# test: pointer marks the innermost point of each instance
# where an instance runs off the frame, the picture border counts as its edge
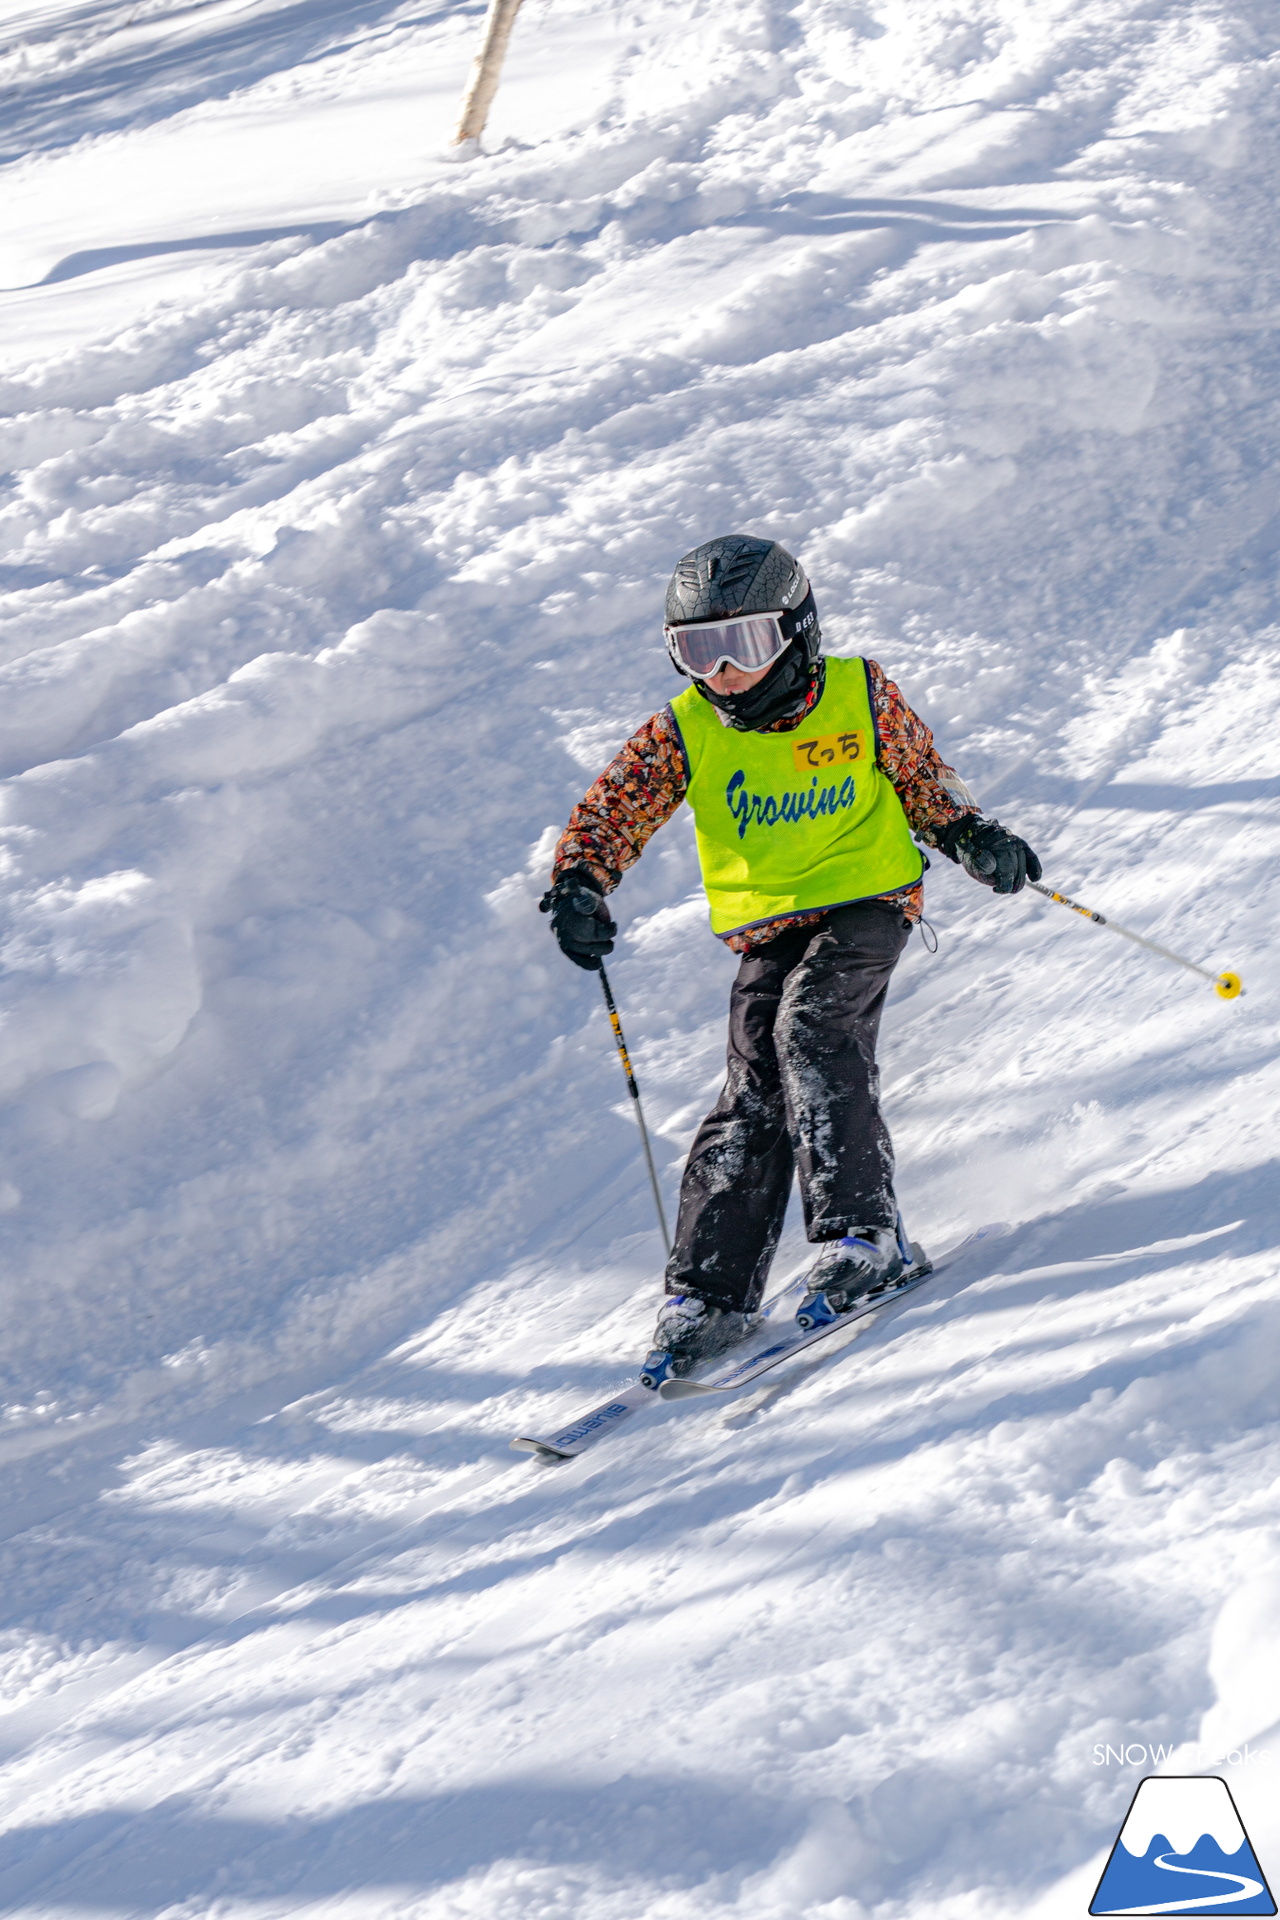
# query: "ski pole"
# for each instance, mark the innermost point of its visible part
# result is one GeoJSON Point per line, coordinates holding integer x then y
{"type": "Point", "coordinates": [1226, 985]}
{"type": "Point", "coordinates": [625, 1058]}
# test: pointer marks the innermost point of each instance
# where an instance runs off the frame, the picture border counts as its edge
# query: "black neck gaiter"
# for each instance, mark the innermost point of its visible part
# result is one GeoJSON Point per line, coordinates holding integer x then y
{"type": "Point", "coordinates": [781, 695]}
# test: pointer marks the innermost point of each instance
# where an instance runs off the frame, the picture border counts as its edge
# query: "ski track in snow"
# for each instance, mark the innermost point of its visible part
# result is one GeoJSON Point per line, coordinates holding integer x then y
{"type": "Point", "coordinates": [340, 487]}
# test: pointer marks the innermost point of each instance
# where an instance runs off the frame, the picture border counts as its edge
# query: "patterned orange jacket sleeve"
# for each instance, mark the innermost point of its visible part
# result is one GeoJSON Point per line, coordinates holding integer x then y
{"type": "Point", "coordinates": [646, 780]}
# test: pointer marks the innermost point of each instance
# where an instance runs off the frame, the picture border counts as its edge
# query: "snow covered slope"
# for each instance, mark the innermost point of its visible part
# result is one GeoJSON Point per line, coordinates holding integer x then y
{"type": "Point", "coordinates": [342, 483]}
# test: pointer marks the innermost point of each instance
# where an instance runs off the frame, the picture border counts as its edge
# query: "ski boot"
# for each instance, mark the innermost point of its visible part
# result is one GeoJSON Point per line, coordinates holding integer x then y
{"type": "Point", "coordinates": [689, 1330]}
{"type": "Point", "coordinates": [859, 1267]}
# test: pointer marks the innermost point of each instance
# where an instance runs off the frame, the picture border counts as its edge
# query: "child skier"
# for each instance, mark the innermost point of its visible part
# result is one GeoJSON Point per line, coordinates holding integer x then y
{"type": "Point", "coordinates": [808, 777]}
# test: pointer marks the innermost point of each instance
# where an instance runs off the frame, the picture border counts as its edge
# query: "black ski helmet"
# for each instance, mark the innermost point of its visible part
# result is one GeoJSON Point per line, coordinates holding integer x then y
{"type": "Point", "coordinates": [737, 573]}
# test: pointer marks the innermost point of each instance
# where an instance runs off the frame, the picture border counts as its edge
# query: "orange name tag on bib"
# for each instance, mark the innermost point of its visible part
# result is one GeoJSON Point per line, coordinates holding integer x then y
{"type": "Point", "coordinates": [828, 750]}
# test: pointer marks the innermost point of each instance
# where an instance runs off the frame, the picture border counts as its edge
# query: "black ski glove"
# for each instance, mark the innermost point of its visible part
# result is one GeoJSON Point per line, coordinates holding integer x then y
{"type": "Point", "coordinates": [989, 852]}
{"type": "Point", "coordinates": [579, 918]}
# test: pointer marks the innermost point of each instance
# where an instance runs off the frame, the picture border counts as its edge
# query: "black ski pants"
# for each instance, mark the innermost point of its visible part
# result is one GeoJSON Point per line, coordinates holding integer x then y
{"type": "Point", "coordinates": [802, 1096]}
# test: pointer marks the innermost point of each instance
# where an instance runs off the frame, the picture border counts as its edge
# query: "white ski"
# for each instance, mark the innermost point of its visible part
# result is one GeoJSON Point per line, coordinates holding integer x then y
{"type": "Point", "coordinates": [593, 1426]}
{"type": "Point", "coordinates": [598, 1422]}
{"type": "Point", "coordinates": [588, 1428]}
{"type": "Point", "coordinates": [728, 1379]}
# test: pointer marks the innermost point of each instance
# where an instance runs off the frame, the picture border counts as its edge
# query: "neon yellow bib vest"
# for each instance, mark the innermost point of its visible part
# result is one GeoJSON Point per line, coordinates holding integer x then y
{"type": "Point", "coordinates": [791, 822]}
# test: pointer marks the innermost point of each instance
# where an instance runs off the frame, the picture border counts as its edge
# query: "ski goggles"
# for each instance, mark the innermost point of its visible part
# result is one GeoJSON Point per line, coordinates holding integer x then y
{"type": "Point", "coordinates": [749, 641]}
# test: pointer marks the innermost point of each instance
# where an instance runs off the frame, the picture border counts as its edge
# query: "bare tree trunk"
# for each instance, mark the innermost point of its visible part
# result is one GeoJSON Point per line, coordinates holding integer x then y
{"type": "Point", "coordinates": [486, 70]}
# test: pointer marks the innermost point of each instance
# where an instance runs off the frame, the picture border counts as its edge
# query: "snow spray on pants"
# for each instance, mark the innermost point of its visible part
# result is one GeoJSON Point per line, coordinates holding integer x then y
{"type": "Point", "coordinates": [801, 1097]}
